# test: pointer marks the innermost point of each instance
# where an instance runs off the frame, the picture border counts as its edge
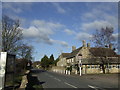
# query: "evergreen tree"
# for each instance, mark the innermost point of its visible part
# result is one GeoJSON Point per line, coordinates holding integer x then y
{"type": "Point", "coordinates": [51, 59]}
{"type": "Point", "coordinates": [55, 61]}
{"type": "Point", "coordinates": [45, 62]}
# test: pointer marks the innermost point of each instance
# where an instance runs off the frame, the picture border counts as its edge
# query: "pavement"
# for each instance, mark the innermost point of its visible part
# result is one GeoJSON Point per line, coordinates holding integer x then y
{"type": "Point", "coordinates": [50, 79]}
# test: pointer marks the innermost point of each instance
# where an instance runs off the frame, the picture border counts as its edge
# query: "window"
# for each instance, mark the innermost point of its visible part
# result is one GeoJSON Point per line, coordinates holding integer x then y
{"type": "Point", "coordinates": [92, 66]}
{"type": "Point", "coordinates": [72, 60]}
{"type": "Point", "coordinates": [68, 61]}
{"type": "Point", "coordinates": [96, 66]}
{"type": "Point", "coordinates": [88, 66]}
{"type": "Point", "coordinates": [118, 66]}
{"type": "Point", "coordinates": [110, 66]}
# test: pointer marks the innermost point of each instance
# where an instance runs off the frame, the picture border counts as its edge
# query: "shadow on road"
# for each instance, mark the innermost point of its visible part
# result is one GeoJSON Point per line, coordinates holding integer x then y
{"type": "Point", "coordinates": [33, 82]}
{"type": "Point", "coordinates": [35, 71]}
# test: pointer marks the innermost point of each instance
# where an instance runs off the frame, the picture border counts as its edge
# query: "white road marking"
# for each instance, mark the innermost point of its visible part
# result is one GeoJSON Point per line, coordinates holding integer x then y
{"type": "Point", "coordinates": [57, 79]}
{"type": "Point", "coordinates": [70, 85]}
{"type": "Point", "coordinates": [50, 76]}
{"type": "Point", "coordinates": [94, 87]}
{"type": "Point", "coordinates": [46, 74]}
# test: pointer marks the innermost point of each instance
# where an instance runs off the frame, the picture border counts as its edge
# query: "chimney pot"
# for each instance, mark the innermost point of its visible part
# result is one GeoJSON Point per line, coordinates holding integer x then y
{"type": "Point", "coordinates": [84, 43]}
{"type": "Point", "coordinates": [73, 48]}
{"type": "Point", "coordinates": [110, 46]}
{"type": "Point", "coordinates": [88, 45]}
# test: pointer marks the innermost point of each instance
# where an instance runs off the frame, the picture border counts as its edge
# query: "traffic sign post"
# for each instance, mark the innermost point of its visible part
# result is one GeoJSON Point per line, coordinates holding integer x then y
{"type": "Point", "coordinates": [7, 70]}
{"type": "Point", "coordinates": [80, 63]}
{"type": "Point", "coordinates": [3, 57]}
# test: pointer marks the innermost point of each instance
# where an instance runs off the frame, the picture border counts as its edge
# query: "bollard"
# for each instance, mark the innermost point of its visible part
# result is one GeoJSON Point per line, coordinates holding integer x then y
{"type": "Point", "coordinates": [68, 72]}
{"type": "Point", "coordinates": [76, 72]}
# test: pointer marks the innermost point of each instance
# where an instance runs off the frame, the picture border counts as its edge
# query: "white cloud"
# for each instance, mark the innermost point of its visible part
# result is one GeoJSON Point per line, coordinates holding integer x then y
{"type": "Point", "coordinates": [95, 25]}
{"type": "Point", "coordinates": [10, 7]}
{"type": "Point", "coordinates": [101, 16]}
{"type": "Point", "coordinates": [62, 43]}
{"type": "Point", "coordinates": [79, 35]}
{"type": "Point", "coordinates": [40, 32]}
{"type": "Point", "coordinates": [83, 36]}
{"type": "Point", "coordinates": [16, 7]}
{"type": "Point", "coordinates": [115, 35]}
{"type": "Point", "coordinates": [59, 8]}
{"type": "Point", "coordinates": [69, 32]}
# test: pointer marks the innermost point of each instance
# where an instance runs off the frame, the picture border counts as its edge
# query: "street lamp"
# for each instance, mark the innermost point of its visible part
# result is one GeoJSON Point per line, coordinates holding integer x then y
{"type": "Point", "coordinates": [80, 63]}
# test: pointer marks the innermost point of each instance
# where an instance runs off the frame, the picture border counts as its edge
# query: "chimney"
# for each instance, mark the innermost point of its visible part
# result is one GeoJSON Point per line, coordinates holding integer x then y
{"type": "Point", "coordinates": [110, 46]}
{"type": "Point", "coordinates": [88, 45]}
{"type": "Point", "coordinates": [84, 43]}
{"type": "Point", "coordinates": [73, 48]}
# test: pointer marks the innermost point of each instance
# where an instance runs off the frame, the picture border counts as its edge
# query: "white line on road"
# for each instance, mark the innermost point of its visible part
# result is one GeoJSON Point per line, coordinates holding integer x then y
{"type": "Point", "coordinates": [51, 76]}
{"type": "Point", "coordinates": [94, 87]}
{"type": "Point", "coordinates": [70, 85]}
{"type": "Point", "coordinates": [57, 79]}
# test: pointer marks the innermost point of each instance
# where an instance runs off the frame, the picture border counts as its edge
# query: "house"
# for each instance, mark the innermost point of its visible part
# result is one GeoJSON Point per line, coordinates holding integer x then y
{"type": "Point", "coordinates": [93, 60]}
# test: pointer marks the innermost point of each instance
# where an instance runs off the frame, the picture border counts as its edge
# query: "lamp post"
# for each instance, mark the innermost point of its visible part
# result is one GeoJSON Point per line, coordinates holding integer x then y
{"type": "Point", "coordinates": [80, 63]}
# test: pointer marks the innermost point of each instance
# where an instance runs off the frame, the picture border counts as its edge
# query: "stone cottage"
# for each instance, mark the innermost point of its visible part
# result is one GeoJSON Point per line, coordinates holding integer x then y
{"type": "Point", "coordinates": [94, 60]}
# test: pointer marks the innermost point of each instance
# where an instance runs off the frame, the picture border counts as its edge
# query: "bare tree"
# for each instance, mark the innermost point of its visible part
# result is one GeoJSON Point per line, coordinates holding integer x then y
{"type": "Point", "coordinates": [11, 34]}
{"type": "Point", "coordinates": [104, 41]}
{"type": "Point", "coordinates": [103, 37]}
{"type": "Point", "coordinates": [25, 52]}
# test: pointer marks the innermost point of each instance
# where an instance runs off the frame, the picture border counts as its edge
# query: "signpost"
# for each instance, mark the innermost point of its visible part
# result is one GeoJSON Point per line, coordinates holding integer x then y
{"type": "Point", "coordinates": [80, 63]}
{"type": "Point", "coordinates": [7, 70]}
{"type": "Point", "coordinates": [3, 57]}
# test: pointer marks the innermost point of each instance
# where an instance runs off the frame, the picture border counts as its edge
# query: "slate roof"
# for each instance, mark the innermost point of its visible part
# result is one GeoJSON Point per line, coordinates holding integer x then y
{"type": "Point", "coordinates": [73, 53]}
{"type": "Point", "coordinates": [65, 54]}
{"type": "Point", "coordinates": [99, 61]}
{"type": "Point", "coordinates": [97, 52]}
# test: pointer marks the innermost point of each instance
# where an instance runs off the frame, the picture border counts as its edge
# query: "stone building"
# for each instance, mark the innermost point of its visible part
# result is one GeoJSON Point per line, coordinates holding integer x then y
{"type": "Point", "coordinates": [94, 60]}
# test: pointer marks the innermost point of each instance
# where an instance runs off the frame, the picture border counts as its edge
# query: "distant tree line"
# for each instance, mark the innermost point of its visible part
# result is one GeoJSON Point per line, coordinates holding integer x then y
{"type": "Point", "coordinates": [48, 62]}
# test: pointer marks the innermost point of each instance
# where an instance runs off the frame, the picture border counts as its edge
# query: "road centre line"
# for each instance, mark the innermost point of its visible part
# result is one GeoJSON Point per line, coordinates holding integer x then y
{"type": "Point", "coordinates": [70, 85]}
{"type": "Point", "coordinates": [94, 87]}
{"type": "Point", "coordinates": [50, 76]}
{"type": "Point", "coordinates": [57, 79]}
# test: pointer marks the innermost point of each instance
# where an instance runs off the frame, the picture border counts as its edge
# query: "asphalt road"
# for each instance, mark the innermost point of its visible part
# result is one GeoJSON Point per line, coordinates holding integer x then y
{"type": "Point", "coordinates": [54, 80]}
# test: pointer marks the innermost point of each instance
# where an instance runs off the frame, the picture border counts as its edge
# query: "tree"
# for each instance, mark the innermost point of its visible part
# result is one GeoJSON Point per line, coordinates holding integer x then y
{"type": "Point", "coordinates": [12, 40]}
{"type": "Point", "coordinates": [102, 39]}
{"type": "Point", "coordinates": [45, 62]}
{"type": "Point", "coordinates": [51, 59]}
{"type": "Point", "coordinates": [11, 34]}
{"type": "Point", "coordinates": [55, 61]}
{"type": "Point", "coordinates": [25, 52]}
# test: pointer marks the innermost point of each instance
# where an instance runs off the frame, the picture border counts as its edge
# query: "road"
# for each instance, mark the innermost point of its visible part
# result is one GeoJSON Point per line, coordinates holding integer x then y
{"type": "Point", "coordinates": [54, 80]}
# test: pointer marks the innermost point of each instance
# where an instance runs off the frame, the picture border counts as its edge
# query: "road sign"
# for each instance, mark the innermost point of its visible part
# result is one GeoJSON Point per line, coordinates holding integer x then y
{"type": "Point", "coordinates": [3, 57]}
{"type": "Point", "coordinates": [7, 69]}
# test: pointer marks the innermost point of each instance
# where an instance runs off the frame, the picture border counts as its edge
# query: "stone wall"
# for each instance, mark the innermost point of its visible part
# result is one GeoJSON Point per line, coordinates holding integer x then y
{"type": "Point", "coordinates": [62, 62]}
{"type": "Point", "coordinates": [94, 69]}
{"type": "Point", "coordinates": [58, 69]}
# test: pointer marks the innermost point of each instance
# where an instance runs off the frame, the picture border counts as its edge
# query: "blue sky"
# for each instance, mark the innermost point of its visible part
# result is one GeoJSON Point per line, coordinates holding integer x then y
{"type": "Point", "coordinates": [53, 27]}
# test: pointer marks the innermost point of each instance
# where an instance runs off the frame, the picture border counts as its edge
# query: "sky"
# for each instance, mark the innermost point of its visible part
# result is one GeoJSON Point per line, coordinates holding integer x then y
{"type": "Point", "coordinates": [54, 27]}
